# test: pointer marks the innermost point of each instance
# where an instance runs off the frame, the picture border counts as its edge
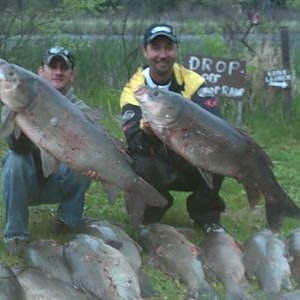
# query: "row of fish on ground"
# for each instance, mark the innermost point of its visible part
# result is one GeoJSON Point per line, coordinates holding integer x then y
{"type": "Point", "coordinates": [103, 262]}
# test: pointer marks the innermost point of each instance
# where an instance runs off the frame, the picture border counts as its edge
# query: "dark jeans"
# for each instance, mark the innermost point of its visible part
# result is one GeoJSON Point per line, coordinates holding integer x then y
{"type": "Point", "coordinates": [167, 172]}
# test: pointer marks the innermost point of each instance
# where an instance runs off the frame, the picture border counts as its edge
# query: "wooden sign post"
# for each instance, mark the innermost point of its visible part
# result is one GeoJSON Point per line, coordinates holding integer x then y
{"type": "Point", "coordinates": [285, 50]}
{"type": "Point", "coordinates": [225, 77]}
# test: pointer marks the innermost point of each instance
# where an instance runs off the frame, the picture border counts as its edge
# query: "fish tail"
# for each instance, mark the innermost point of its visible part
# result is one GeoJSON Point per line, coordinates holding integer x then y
{"type": "Point", "coordinates": [139, 195]}
{"type": "Point", "coordinates": [253, 196]}
{"type": "Point", "coordinates": [279, 207]}
{"type": "Point", "coordinates": [238, 293]}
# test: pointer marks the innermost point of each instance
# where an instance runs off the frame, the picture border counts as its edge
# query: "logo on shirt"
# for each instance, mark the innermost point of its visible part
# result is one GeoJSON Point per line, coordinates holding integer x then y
{"type": "Point", "coordinates": [211, 103]}
{"type": "Point", "coordinates": [127, 115]}
{"type": "Point", "coordinates": [204, 92]}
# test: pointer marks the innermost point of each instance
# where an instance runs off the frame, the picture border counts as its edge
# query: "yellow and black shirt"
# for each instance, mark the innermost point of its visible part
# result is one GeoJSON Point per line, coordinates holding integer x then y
{"type": "Point", "coordinates": [186, 82]}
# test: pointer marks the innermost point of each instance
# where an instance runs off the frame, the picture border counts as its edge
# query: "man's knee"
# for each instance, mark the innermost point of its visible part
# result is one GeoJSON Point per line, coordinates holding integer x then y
{"type": "Point", "coordinates": [205, 208]}
{"type": "Point", "coordinates": [18, 165]}
{"type": "Point", "coordinates": [155, 170]}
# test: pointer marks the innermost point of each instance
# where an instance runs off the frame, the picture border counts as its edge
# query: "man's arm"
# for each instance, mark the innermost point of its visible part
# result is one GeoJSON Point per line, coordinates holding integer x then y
{"type": "Point", "coordinates": [138, 139]}
{"type": "Point", "coordinates": [92, 115]}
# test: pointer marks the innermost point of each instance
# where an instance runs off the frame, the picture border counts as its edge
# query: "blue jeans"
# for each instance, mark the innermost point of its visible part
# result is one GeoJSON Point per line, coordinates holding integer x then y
{"type": "Point", "coordinates": [22, 187]}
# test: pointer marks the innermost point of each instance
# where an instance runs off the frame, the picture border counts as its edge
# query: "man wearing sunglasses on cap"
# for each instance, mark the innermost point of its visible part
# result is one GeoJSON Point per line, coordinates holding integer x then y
{"type": "Point", "coordinates": [154, 161]}
{"type": "Point", "coordinates": [22, 179]}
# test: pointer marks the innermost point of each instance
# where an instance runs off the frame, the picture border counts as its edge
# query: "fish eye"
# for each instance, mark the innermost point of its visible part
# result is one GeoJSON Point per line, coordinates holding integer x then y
{"type": "Point", "coordinates": [11, 72]}
{"type": "Point", "coordinates": [155, 93]}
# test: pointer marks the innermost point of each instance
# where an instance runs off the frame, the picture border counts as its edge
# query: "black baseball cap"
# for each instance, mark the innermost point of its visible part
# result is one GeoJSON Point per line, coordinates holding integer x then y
{"type": "Point", "coordinates": [61, 52]}
{"type": "Point", "coordinates": [159, 30]}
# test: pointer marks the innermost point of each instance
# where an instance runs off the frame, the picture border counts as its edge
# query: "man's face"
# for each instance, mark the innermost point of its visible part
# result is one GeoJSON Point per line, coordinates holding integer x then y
{"type": "Point", "coordinates": [161, 54]}
{"type": "Point", "coordinates": [58, 73]}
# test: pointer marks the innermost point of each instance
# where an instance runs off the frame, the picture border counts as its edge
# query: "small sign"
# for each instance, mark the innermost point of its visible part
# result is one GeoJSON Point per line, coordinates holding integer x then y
{"type": "Point", "coordinates": [225, 77]}
{"type": "Point", "coordinates": [280, 78]}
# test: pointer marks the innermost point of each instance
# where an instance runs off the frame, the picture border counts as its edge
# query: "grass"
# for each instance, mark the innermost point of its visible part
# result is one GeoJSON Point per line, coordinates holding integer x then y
{"type": "Point", "coordinates": [280, 141]}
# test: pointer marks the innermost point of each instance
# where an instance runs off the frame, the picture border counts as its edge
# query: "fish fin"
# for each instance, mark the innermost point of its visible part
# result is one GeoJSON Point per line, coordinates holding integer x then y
{"type": "Point", "coordinates": [139, 195]}
{"type": "Point", "coordinates": [255, 147]}
{"type": "Point", "coordinates": [8, 123]}
{"type": "Point", "coordinates": [253, 196]}
{"type": "Point", "coordinates": [111, 191]}
{"type": "Point", "coordinates": [94, 114]}
{"type": "Point", "coordinates": [49, 163]}
{"type": "Point", "coordinates": [207, 176]}
{"type": "Point", "coordinates": [17, 132]}
{"type": "Point", "coordinates": [276, 210]}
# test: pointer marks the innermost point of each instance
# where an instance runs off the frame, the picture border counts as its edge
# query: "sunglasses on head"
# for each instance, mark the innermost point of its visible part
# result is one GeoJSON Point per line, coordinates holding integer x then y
{"type": "Point", "coordinates": [63, 51]}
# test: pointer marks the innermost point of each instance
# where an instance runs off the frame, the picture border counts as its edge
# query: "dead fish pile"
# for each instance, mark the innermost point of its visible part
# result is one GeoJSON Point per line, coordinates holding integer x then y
{"type": "Point", "coordinates": [223, 259]}
{"type": "Point", "coordinates": [100, 270]}
{"type": "Point", "coordinates": [266, 259]}
{"type": "Point", "coordinates": [87, 267]}
{"type": "Point", "coordinates": [115, 236]}
{"type": "Point", "coordinates": [37, 285]}
{"type": "Point", "coordinates": [64, 134]}
{"type": "Point", "coordinates": [47, 256]}
{"type": "Point", "coordinates": [213, 145]}
{"type": "Point", "coordinates": [293, 295]}
{"type": "Point", "coordinates": [174, 254]}
{"type": "Point", "coordinates": [10, 288]}
{"type": "Point", "coordinates": [293, 244]}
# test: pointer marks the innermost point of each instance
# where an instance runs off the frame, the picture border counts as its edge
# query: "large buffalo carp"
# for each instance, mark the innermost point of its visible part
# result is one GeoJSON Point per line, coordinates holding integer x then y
{"type": "Point", "coordinates": [266, 259]}
{"type": "Point", "coordinates": [213, 145]}
{"type": "Point", "coordinates": [64, 134]}
{"type": "Point", "coordinates": [223, 260]}
{"type": "Point", "coordinates": [174, 254]}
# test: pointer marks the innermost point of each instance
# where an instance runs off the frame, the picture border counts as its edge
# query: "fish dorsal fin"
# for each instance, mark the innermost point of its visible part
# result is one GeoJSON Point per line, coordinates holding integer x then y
{"type": "Point", "coordinates": [8, 123]}
{"type": "Point", "coordinates": [207, 176]}
{"type": "Point", "coordinates": [49, 163]}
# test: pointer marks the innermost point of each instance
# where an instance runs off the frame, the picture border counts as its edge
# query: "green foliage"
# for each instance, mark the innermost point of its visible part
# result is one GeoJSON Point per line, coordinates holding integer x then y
{"type": "Point", "coordinates": [77, 7]}
{"type": "Point", "coordinates": [293, 3]}
{"type": "Point", "coordinates": [214, 45]}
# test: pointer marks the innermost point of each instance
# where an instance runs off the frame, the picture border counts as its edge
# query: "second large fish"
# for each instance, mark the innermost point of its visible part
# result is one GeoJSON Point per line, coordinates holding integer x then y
{"type": "Point", "coordinates": [213, 145]}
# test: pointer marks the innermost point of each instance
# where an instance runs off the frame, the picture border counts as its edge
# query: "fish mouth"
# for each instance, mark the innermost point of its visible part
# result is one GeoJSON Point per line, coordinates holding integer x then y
{"type": "Point", "coordinates": [3, 67]}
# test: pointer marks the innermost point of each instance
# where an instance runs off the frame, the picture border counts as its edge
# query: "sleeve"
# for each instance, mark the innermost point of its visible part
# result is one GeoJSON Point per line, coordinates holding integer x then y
{"type": "Point", "coordinates": [137, 139]}
{"type": "Point", "coordinates": [206, 99]}
{"type": "Point", "coordinates": [92, 115]}
{"type": "Point", "coordinates": [21, 144]}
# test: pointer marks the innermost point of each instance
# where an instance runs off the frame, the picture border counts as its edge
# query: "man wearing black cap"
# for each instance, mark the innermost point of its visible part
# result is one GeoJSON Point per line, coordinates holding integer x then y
{"type": "Point", "coordinates": [154, 161]}
{"type": "Point", "coordinates": [23, 181]}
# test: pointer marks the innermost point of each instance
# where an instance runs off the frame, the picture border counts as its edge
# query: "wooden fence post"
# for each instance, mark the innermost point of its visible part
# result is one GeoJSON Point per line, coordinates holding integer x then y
{"type": "Point", "coordinates": [285, 51]}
